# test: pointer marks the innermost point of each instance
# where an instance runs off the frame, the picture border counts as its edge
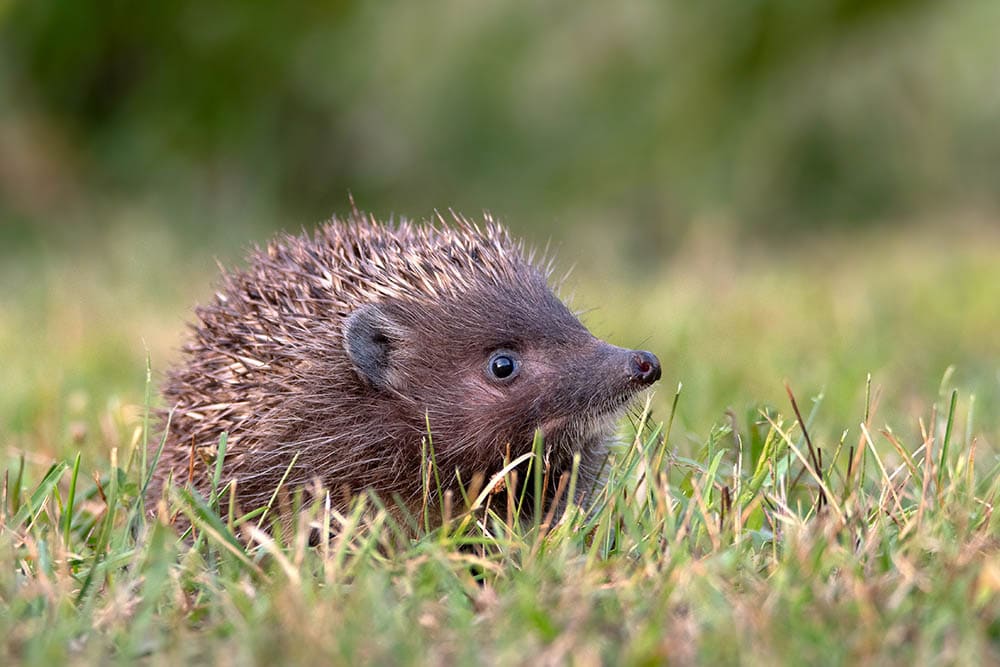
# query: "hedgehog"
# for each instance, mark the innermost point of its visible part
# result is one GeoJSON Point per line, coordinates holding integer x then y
{"type": "Point", "coordinates": [339, 356]}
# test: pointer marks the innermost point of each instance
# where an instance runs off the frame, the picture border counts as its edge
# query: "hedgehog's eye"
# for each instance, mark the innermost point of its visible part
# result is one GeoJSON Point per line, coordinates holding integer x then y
{"type": "Point", "coordinates": [504, 365]}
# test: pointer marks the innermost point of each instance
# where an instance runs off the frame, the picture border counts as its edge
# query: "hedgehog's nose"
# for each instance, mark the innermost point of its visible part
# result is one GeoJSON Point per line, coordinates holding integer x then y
{"type": "Point", "coordinates": [645, 367]}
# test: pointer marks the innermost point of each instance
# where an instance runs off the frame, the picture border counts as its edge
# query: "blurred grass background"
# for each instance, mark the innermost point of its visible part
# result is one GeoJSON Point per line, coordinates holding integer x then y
{"type": "Point", "coordinates": [754, 190]}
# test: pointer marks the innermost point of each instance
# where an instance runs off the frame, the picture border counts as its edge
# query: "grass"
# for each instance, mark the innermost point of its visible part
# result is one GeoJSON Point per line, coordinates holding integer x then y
{"type": "Point", "coordinates": [830, 519]}
{"type": "Point", "coordinates": [754, 550]}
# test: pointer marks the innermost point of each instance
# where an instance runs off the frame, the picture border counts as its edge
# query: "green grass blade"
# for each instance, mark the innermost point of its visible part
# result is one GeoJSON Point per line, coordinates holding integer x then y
{"type": "Point", "coordinates": [26, 514]}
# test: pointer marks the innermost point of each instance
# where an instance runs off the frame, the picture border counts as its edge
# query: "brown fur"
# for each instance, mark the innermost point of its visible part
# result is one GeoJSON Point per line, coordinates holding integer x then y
{"type": "Point", "coordinates": [269, 363]}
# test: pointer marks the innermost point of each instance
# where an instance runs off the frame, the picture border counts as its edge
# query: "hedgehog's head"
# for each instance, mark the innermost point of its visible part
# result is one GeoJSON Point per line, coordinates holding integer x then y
{"type": "Point", "coordinates": [493, 360]}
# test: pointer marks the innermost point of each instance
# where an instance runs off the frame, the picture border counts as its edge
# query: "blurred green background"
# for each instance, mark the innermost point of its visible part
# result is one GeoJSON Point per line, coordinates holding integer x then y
{"type": "Point", "coordinates": [754, 190]}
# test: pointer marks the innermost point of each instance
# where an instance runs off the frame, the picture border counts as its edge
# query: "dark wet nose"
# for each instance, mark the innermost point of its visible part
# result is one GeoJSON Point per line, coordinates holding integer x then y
{"type": "Point", "coordinates": [645, 367]}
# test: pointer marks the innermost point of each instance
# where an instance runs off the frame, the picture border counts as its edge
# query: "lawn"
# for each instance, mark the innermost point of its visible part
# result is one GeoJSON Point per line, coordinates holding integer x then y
{"type": "Point", "coordinates": [812, 482]}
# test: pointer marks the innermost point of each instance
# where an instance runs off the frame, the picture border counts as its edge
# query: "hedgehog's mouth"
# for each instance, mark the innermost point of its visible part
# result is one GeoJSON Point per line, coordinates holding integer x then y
{"type": "Point", "coordinates": [595, 423]}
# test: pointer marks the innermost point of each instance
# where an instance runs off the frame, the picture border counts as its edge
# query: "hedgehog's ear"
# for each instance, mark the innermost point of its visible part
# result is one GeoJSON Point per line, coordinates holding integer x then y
{"type": "Point", "coordinates": [369, 337]}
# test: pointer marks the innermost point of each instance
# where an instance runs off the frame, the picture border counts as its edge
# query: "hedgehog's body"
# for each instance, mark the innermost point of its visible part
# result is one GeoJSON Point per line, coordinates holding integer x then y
{"type": "Point", "coordinates": [340, 350]}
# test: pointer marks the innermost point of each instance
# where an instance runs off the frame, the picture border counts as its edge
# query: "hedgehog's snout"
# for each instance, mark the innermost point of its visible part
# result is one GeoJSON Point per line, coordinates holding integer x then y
{"type": "Point", "coordinates": [626, 371]}
{"type": "Point", "coordinates": [644, 367]}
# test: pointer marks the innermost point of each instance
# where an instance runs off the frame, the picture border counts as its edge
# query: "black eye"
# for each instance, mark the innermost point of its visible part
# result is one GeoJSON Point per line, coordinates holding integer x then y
{"type": "Point", "coordinates": [503, 365]}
